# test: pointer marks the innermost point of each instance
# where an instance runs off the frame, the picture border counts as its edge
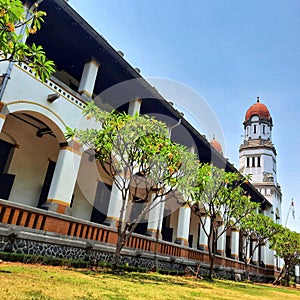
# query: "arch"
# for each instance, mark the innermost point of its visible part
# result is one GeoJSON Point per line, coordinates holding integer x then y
{"type": "Point", "coordinates": [43, 113]}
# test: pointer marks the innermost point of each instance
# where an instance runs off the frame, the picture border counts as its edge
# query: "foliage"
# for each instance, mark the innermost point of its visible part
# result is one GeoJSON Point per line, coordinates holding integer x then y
{"type": "Point", "coordinates": [138, 155]}
{"type": "Point", "coordinates": [219, 199]}
{"type": "Point", "coordinates": [258, 229]}
{"type": "Point", "coordinates": [14, 24]}
{"type": "Point", "coordinates": [286, 243]}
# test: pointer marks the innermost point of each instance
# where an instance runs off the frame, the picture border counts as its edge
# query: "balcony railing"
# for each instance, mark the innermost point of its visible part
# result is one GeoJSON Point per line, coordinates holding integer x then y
{"type": "Point", "coordinates": [57, 86]}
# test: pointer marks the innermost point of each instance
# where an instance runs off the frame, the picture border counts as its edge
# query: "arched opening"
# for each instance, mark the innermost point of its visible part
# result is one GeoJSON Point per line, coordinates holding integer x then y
{"type": "Point", "coordinates": [30, 143]}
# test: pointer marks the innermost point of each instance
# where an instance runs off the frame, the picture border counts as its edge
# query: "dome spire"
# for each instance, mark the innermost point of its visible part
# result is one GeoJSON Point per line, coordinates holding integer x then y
{"type": "Point", "coordinates": [257, 99]}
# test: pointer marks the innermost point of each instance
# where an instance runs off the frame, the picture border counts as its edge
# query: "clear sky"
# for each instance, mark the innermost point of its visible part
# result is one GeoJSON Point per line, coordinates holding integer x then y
{"type": "Point", "coordinates": [230, 52]}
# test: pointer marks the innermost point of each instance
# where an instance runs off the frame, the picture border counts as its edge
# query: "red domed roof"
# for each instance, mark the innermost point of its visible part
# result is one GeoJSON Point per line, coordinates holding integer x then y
{"type": "Point", "coordinates": [216, 145]}
{"type": "Point", "coordinates": [258, 109]}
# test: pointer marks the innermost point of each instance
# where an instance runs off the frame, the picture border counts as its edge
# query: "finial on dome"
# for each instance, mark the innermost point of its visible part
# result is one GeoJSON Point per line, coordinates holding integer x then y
{"type": "Point", "coordinates": [257, 99]}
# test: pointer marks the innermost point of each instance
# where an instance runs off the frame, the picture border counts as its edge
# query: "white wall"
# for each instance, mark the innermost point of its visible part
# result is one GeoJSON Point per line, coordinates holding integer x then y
{"type": "Point", "coordinates": [30, 159]}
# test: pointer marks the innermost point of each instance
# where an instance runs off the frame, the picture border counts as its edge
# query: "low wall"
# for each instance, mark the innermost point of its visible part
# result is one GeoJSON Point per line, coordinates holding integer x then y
{"type": "Point", "coordinates": [30, 230]}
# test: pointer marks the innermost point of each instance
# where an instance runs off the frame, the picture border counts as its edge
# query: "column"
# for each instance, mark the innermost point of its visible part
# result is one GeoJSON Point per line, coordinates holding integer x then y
{"type": "Point", "coordinates": [269, 258]}
{"type": "Point", "coordinates": [2, 121]}
{"type": "Point", "coordinates": [297, 274]}
{"type": "Point", "coordinates": [246, 247]}
{"type": "Point", "coordinates": [155, 218]}
{"type": "Point", "coordinates": [114, 207]}
{"type": "Point", "coordinates": [235, 239]}
{"type": "Point", "coordinates": [134, 107]}
{"type": "Point", "coordinates": [262, 261]}
{"type": "Point", "coordinates": [203, 238]}
{"type": "Point", "coordinates": [64, 178]}
{"type": "Point", "coordinates": [255, 253]}
{"type": "Point", "coordinates": [88, 78]}
{"type": "Point", "coordinates": [221, 241]}
{"type": "Point", "coordinates": [183, 225]}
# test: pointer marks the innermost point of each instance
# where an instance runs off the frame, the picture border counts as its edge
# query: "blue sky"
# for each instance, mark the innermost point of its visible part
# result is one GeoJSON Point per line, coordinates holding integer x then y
{"type": "Point", "coordinates": [229, 51]}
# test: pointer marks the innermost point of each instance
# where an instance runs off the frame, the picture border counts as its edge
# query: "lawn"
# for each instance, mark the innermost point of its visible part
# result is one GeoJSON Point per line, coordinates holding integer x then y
{"type": "Point", "coordinates": [21, 281]}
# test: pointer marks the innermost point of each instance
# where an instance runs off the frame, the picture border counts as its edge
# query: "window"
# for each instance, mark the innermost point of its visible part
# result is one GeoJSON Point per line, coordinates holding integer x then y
{"type": "Point", "coordinates": [254, 129]}
{"type": "Point", "coordinates": [258, 161]}
{"type": "Point", "coordinates": [264, 129]}
{"type": "Point", "coordinates": [248, 162]}
{"type": "Point", "coordinates": [253, 161]}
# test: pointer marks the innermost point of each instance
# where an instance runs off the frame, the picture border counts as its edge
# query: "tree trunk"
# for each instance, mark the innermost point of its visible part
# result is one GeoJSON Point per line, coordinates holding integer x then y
{"type": "Point", "coordinates": [211, 266]}
{"type": "Point", "coordinates": [117, 256]}
{"type": "Point", "coordinates": [280, 276]}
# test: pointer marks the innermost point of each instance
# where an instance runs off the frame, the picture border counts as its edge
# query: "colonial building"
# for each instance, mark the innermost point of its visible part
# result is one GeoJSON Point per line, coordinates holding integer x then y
{"type": "Point", "coordinates": [55, 200]}
{"type": "Point", "coordinates": [258, 158]}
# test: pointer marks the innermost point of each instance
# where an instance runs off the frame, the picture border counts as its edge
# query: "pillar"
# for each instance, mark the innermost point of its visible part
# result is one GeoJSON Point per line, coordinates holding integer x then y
{"type": "Point", "coordinates": [297, 274]}
{"type": "Point", "coordinates": [235, 239]}
{"type": "Point", "coordinates": [64, 178]}
{"type": "Point", "coordinates": [203, 238]}
{"type": "Point", "coordinates": [134, 107]}
{"type": "Point", "coordinates": [221, 241]}
{"type": "Point", "coordinates": [262, 261]}
{"type": "Point", "coordinates": [245, 247]}
{"type": "Point", "coordinates": [269, 258]}
{"type": "Point", "coordinates": [114, 207]}
{"type": "Point", "coordinates": [155, 218]}
{"type": "Point", "coordinates": [255, 252]}
{"type": "Point", "coordinates": [183, 225]}
{"type": "Point", "coordinates": [88, 78]}
{"type": "Point", "coordinates": [2, 121]}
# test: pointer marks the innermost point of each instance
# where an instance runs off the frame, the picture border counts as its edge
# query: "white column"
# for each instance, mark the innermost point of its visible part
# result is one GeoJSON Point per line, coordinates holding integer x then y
{"type": "Point", "coordinates": [203, 239]}
{"type": "Point", "coordinates": [183, 225]}
{"type": "Point", "coordinates": [235, 238]}
{"type": "Point", "coordinates": [2, 121]}
{"type": "Point", "coordinates": [263, 255]}
{"type": "Point", "coordinates": [221, 241]}
{"type": "Point", "coordinates": [155, 218]}
{"type": "Point", "coordinates": [269, 258]}
{"type": "Point", "coordinates": [88, 78]}
{"type": "Point", "coordinates": [64, 178]}
{"type": "Point", "coordinates": [114, 207]}
{"type": "Point", "coordinates": [255, 253]}
{"type": "Point", "coordinates": [134, 107]}
{"type": "Point", "coordinates": [246, 247]}
{"type": "Point", "coordinates": [297, 274]}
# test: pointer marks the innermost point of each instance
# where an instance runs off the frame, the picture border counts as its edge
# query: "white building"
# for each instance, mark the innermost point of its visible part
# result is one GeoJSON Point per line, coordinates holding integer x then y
{"type": "Point", "coordinates": [258, 157]}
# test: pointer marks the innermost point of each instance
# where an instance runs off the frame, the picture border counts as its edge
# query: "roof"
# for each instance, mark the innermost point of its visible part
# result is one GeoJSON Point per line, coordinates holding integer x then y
{"type": "Point", "coordinates": [257, 109]}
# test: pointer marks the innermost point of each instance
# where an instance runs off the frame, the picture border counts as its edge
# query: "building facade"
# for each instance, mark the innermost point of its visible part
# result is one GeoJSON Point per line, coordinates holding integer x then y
{"type": "Point", "coordinates": [258, 158]}
{"type": "Point", "coordinates": [53, 193]}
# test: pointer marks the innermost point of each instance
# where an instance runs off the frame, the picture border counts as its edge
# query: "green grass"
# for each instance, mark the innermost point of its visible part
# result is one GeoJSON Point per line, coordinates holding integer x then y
{"type": "Point", "coordinates": [20, 281]}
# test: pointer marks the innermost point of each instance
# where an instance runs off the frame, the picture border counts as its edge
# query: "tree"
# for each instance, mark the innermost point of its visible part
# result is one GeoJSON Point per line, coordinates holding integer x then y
{"type": "Point", "coordinates": [258, 230]}
{"type": "Point", "coordinates": [138, 155]}
{"type": "Point", "coordinates": [219, 201]}
{"type": "Point", "coordinates": [286, 243]}
{"type": "Point", "coordinates": [15, 23]}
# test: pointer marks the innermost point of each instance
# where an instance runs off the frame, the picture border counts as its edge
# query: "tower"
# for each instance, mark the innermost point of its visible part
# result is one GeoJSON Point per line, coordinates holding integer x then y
{"type": "Point", "coordinates": [258, 156]}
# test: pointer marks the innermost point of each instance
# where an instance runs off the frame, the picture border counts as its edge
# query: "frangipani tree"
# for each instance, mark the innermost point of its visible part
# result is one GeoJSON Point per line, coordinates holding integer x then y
{"type": "Point", "coordinates": [258, 230]}
{"type": "Point", "coordinates": [15, 23]}
{"type": "Point", "coordinates": [286, 244]}
{"type": "Point", "coordinates": [220, 202]}
{"type": "Point", "coordinates": [138, 155]}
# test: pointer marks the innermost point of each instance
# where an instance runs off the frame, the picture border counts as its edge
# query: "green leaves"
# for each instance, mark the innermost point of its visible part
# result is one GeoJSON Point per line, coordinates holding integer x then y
{"type": "Point", "coordinates": [137, 144]}
{"type": "Point", "coordinates": [12, 19]}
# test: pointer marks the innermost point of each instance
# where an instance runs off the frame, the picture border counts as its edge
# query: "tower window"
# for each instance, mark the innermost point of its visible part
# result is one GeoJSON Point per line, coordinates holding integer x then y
{"type": "Point", "coordinates": [258, 161]}
{"type": "Point", "coordinates": [248, 162]}
{"type": "Point", "coordinates": [264, 129]}
{"type": "Point", "coordinates": [253, 161]}
{"type": "Point", "coordinates": [254, 128]}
